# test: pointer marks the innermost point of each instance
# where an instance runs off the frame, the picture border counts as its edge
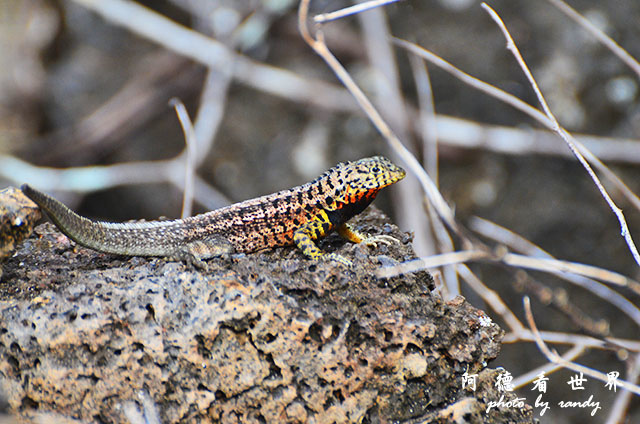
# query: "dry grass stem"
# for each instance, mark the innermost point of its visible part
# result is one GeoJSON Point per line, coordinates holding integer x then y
{"type": "Point", "coordinates": [422, 264]}
{"type": "Point", "coordinates": [191, 146]}
{"type": "Point", "coordinates": [518, 104]}
{"type": "Point", "coordinates": [492, 298]}
{"type": "Point", "coordinates": [598, 34]}
{"type": "Point", "coordinates": [555, 126]}
{"type": "Point", "coordinates": [515, 242]}
{"type": "Point", "coordinates": [319, 46]}
{"type": "Point", "coordinates": [214, 54]}
{"type": "Point", "coordinates": [548, 368]}
{"type": "Point", "coordinates": [555, 358]}
{"type": "Point", "coordinates": [351, 10]}
{"type": "Point", "coordinates": [555, 337]}
{"type": "Point", "coordinates": [618, 410]}
{"type": "Point", "coordinates": [428, 123]}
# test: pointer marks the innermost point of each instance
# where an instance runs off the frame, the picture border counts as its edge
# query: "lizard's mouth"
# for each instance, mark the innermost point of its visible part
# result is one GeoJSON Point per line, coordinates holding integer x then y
{"type": "Point", "coordinates": [400, 174]}
{"type": "Point", "coordinates": [394, 176]}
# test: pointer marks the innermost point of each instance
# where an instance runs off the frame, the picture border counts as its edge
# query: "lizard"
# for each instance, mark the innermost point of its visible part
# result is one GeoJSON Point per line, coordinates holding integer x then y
{"type": "Point", "coordinates": [297, 216]}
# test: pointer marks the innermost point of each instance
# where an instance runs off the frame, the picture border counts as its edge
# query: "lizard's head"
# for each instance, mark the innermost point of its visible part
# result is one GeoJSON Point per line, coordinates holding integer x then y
{"type": "Point", "coordinates": [365, 177]}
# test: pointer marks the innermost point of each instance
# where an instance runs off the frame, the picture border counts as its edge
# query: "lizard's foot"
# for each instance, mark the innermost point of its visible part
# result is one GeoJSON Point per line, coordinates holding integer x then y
{"type": "Point", "coordinates": [190, 259]}
{"type": "Point", "coordinates": [373, 240]}
{"type": "Point", "coordinates": [197, 263]}
{"type": "Point", "coordinates": [196, 251]}
{"type": "Point", "coordinates": [337, 258]}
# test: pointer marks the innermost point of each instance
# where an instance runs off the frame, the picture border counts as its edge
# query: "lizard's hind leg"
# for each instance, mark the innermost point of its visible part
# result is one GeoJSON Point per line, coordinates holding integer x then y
{"type": "Point", "coordinates": [195, 252]}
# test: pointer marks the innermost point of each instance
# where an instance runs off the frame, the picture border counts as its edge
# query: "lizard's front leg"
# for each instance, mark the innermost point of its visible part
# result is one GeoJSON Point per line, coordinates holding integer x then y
{"type": "Point", "coordinates": [349, 233]}
{"type": "Point", "coordinates": [318, 227]}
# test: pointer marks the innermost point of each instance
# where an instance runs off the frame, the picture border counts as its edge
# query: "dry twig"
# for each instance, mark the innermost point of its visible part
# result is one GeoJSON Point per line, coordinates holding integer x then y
{"type": "Point", "coordinates": [320, 47]}
{"type": "Point", "coordinates": [352, 10]}
{"type": "Point", "coordinates": [553, 356]}
{"type": "Point", "coordinates": [515, 242]}
{"type": "Point", "coordinates": [216, 55]}
{"type": "Point", "coordinates": [555, 126]}
{"type": "Point", "coordinates": [547, 368]}
{"type": "Point", "coordinates": [520, 105]}
{"type": "Point", "coordinates": [391, 104]}
{"type": "Point", "coordinates": [191, 143]}
{"type": "Point", "coordinates": [598, 34]}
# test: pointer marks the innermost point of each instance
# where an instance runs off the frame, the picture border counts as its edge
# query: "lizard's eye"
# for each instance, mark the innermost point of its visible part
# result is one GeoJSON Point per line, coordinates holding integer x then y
{"type": "Point", "coordinates": [375, 169]}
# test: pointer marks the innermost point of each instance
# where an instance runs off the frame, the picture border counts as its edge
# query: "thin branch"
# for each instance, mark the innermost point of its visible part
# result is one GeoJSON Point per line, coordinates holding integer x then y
{"type": "Point", "coordinates": [622, 54]}
{"type": "Point", "coordinates": [427, 112]}
{"type": "Point", "coordinates": [555, 126]}
{"type": "Point", "coordinates": [556, 337]}
{"type": "Point", "coordinates": [445, 245]}
{"type": "Point", "coordinates": [547, 368]}
{"type": "Point", "coordinates": [492, 298]}
{"type": "Point", "coordinates": [513, 260]}
{"type": "Point", "coordinates": [515, 242]}
{"type": "Point", "coordinates": [214, 54]}
{"type": "Point", "coordinates": [190, 156]}
{"type": "Point", "coordinates": [390, 102]}
{"type": "Point", "coordinates": [211, 110]}
{"type": "Point", "coordinates": [473, 81]}
{"type": "Point", "coordinates": [618, 410]}
{"type": "Point", "coordinates": [518, 104]}
{"type": "Point", "coordinates": [556, 265]}
{"type": "Point", "coordinates": [464, 133]}
{"type": "Point", "coordinates": [434, 261]}
{"type": "Point", "coordinates": [427, 129]}
{"type": "Point", "coordinates": [87, 179]}
{"type": "Point", "coordinates": [318, 45]}
{"type": "Point", "coordinates": [555, 358]}
{"type": "Point", "coordinates": [351, 10]}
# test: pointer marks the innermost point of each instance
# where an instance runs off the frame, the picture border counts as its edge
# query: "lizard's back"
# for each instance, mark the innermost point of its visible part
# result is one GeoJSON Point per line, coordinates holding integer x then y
{"type": "Point", "coordinates": [266, 221]}
{"type": "Point", "coordinates": [307, 212]}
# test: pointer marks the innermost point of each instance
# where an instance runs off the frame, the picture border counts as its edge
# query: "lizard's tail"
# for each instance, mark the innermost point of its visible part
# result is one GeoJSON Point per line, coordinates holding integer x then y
{"type": "Point", "coordinates": [134, 239]}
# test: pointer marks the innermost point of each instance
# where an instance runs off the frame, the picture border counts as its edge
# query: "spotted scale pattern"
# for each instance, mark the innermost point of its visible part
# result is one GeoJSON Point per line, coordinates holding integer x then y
{"type": "Point", "coordinates": [299, 216]}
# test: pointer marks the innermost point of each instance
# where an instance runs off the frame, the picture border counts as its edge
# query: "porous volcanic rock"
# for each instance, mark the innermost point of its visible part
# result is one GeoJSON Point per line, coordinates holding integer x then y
{"type": "Point", "coordinates": [266, 337]}
{"type": "Point", "coordinates": [18, 216]}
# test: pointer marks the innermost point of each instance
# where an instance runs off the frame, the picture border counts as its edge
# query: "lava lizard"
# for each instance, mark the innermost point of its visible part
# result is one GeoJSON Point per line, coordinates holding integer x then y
{"type": "Point", "coordinates": [297, 216]}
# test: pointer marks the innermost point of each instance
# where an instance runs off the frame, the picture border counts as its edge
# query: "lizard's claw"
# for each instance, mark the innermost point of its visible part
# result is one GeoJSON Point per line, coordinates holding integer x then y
{"type": "Point", "coordinates": [191, 260]}
{"type": "Point", "coordinates": [373, 240]}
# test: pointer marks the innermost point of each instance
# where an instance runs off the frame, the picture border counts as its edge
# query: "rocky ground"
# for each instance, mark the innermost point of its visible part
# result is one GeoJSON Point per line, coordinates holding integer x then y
{"type": "Point", "coordinates": [265, 337]}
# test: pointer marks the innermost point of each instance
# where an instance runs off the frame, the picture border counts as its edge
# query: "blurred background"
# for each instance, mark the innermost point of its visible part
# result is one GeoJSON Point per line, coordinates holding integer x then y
{"type": "Point", "coordinates": [84, 90]}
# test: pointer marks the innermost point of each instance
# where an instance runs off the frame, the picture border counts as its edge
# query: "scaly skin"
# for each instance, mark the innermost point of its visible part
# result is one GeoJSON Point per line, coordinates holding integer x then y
{"type": "Point", "coordinates": [297, 216]}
